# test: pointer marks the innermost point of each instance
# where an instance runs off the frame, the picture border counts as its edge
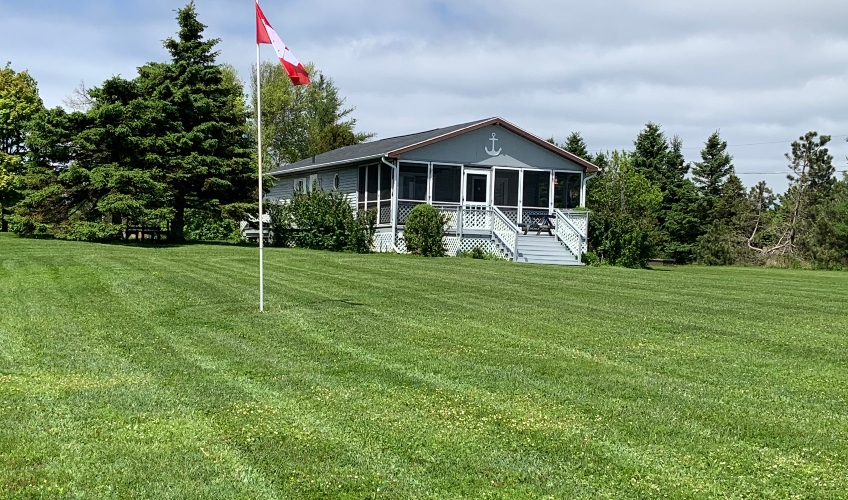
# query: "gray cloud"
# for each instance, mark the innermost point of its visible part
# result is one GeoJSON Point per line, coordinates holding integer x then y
{"type": "Point", "coordinates": [758, 72]}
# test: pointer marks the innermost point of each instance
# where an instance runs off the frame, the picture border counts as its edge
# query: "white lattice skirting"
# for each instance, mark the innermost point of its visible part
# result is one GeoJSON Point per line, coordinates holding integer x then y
{"type": "Point", "coordinates": [383, 243]}
{"type": "Point", "coordinates": [454, 245]}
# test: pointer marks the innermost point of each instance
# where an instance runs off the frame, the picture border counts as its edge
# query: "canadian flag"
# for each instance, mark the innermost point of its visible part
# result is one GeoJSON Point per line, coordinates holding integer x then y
{"type": "Point", "coordinates": [266, 34]}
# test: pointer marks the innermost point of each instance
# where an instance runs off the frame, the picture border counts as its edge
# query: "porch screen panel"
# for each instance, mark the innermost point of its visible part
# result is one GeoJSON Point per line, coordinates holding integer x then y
{"type": "Point", "coordinates": [360, 190]}
{"type": "Point", "coordinates": [506, 188]}
{"type": "Point", "coordinates": [413, 182]}
{"type": "Point", "coordinates": [567, 190]}
{"type": "Point", "coordinates": [447, 182]}
{"type": "Point", "coordinates": [537, 186]}
{"type": "Point", "coordinates": [385, 182]}
{"type": "Point", "coordinates": [372, 186]}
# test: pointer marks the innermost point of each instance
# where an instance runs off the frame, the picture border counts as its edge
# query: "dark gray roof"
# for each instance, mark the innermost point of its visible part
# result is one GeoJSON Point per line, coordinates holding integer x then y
{"type": "Point", "coordinates": [370, 150]}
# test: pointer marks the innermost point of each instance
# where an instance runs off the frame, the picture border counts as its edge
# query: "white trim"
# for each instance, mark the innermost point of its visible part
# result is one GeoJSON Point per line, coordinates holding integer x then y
{"type": "Point", "coordinates": [325, 165]}
{"type": "Point", "coordinates": [478, 171]}
{"type": "Point", "coordinates": [520, 196]}
{"type": "Point", "coordinates": [448, 164]}
{"type": "Point", "coordinates": [551, 194]}
{"type": "Point", "coordinates": [425, 200]}
{"type": "Point", "coordinates": [413, 146]}
{"type": "Point", "coordinates": [429, 196]}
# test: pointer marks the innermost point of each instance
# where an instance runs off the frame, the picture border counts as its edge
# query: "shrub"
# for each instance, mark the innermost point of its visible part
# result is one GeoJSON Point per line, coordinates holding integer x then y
{"type": "Point", "coordinates": [479, 253]}
{"type": "Point", "coordinates": [322, 220]}
{"type": "Point", "coordinates": [205, 226]}
{"type": "Point", "coordinates": [89, 231]}
{"type": "Point", "coordinates": [591, 259]}
{"type": "Point", "coordinates": [716, 247]}
{"type": "Point", "coordinates": [282, 225]}
{"type": "Point", "coordinates": [424, 231]}
{"type": "Point", "coordinates": [360, 231]}
{"type": "Point", "coordinates": [26, 227]}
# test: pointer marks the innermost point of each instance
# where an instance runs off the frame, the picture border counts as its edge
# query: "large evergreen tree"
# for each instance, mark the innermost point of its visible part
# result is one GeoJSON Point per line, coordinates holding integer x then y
{"type": "Point", "coordinates": [661, 161]}
{"type": "Point", "coordinates": [710, 174]}
{"type": "Point", "coordinates": [87, 172]}
{"type": "Point", "coordinates": [204, 149]}
{"type": "Point", "coordinates": [713, 170]}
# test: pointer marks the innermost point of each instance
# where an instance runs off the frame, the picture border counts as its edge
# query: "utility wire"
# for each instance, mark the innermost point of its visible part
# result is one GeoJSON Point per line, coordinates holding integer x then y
{"type": "Point", "coordinates": [729, 145]}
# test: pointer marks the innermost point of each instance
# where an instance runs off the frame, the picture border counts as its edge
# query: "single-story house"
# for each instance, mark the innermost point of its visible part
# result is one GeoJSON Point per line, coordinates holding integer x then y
{"type": "Point", "coordinates": [505, 190]}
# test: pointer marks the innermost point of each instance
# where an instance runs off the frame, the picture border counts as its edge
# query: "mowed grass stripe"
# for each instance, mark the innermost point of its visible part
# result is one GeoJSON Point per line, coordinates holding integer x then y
{"type": "Point", "coordinates": [402, 377]}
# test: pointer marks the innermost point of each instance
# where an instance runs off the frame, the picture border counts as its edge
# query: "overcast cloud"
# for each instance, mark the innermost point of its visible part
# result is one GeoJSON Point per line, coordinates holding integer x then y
{"type": "Point", "coordinates": [761, 72]}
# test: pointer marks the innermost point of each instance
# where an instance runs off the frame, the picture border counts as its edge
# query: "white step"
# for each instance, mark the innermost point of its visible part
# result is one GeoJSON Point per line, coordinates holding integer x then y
{"type": "Point", "coordinates": [544, 250]}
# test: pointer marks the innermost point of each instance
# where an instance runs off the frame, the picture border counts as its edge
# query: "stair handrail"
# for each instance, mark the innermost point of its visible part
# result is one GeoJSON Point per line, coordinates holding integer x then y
{"type": "Point", "coordinates": [562, 234]}
{"type": "Point", "coordinates": [507, 233]}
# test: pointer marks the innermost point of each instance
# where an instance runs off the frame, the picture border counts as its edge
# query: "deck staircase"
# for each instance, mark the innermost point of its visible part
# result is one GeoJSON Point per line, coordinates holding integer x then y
{"type": "Point", "coordinates": [544, 249]}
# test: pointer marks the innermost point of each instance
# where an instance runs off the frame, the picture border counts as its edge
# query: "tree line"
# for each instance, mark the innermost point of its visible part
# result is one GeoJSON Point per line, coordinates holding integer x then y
{"type": "Point", "coordinates": [650, 203]}
{"type": "Point", "coordinates": [174, 146]}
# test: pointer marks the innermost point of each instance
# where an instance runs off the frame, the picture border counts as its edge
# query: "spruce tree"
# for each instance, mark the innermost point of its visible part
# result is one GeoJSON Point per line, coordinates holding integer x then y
{"type": "Point", "coordinates": [204, 147]}
{"type": "Point", "coordinates": [575, 145]}
{"type": "Point", "coordinates": [662, 162]}
{"type": "Point", "coordinates": [650, 155]}
{"type": "Point", "coordinates": [710, 175]}
{"type": "Point", "coordinates": [715, 167]}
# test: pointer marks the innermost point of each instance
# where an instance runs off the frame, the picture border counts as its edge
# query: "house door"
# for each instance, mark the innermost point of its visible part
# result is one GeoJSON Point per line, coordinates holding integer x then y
{"type": "Point", "coordinates": [477, 184]}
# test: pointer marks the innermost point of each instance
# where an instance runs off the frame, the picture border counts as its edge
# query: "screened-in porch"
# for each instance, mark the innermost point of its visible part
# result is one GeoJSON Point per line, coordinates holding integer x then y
{"type": "Point", "coordinates": [498, 203]}
{"type": "Point", "coordinates": [517, 192]}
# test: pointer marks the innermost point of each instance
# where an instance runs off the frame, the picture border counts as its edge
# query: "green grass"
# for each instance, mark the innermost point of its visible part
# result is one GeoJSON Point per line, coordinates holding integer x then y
{"type": "Point", "coordinates": [147, 372]}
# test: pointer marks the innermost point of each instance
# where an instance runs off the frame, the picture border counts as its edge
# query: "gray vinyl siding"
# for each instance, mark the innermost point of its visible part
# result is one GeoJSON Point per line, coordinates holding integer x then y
{"type": "Point", "coordinates": [283, 188]}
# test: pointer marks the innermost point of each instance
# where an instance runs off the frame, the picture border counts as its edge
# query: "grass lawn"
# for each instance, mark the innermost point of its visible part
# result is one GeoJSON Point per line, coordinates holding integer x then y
{"type": "Point", "coordinates": [147, 372]}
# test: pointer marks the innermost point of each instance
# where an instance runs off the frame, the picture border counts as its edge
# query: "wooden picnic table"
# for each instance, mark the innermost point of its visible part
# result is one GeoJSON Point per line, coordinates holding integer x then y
{"type": "Point", "coordinates": [539, 221]}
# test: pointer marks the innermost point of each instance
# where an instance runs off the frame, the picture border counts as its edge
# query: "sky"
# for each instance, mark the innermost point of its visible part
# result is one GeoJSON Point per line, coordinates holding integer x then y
{"type": "Point", "coordinates": [762, 73]}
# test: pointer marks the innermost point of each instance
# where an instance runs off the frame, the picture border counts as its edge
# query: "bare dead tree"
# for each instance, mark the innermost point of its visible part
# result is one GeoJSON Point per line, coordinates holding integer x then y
{"type": "Point", "coordinates": [79, 99]}
{"type": "Point", "coordinates": [811, 166]}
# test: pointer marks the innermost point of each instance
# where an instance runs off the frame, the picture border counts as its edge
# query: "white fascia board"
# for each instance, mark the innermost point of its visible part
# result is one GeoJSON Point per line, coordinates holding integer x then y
{"type": "Point", "coordinates": [325, 165]}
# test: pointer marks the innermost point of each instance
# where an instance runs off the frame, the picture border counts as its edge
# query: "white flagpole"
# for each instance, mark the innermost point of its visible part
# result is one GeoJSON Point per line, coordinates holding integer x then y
{"type": "Point", "coordinates": [259, 157]}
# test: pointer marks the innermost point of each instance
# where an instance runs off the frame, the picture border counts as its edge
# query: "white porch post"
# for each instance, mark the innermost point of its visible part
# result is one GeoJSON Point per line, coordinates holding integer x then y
{"type": "Point", "coordinates": [583, 189]}
{"type": "Point", "coordinates": [429, 183]}
{"type": "Point", "coordinates": [520, 195]}
{"type": "Point", "coordinates": [395, 196]}
{"type": "Point", "coordinates": [551, 194]}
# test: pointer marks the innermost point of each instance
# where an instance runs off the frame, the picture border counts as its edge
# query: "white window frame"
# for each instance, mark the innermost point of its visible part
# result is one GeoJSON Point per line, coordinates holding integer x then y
{"type": "Point", "coordinates": [432, 181]}
{"type": "Point", "coordinates": [429, 180]}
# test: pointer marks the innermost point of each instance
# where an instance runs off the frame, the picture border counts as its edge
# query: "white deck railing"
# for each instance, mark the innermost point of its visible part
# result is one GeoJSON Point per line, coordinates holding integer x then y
{"type": "Point", "coordinates": [571, 230]}
{"type": "Point", "coordinates": [571, 227]}
{"type": "Point", "coordinates": [505, 232]}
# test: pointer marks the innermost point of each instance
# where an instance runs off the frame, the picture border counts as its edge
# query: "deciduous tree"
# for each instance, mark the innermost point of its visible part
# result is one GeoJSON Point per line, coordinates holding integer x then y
{"type": "Point", "coordinates": [301, 121]}
{"type": "Point", "coordinates": [625, 206]}
{"type": "Point", "coordinates": [19, 103]}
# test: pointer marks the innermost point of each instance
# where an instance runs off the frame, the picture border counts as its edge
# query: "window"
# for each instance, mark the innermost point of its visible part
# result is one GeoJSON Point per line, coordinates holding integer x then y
{"type": "Point", "coordinates": [567, 190]}
{"type": "Point", "coordinates": [537, 186]}
{"type": "Point", "coordinates": [314, 182]}
{"type": "Point", "coordinates": [336, 182]}
{"type": "Point", "coordinates": [413, 182]}
{"type": "Point", "coordinates": [447, 183]}
{"type": "Point", "coordinates": [299, 184]}
{"type": "Point", "coordinates": [506, 188]}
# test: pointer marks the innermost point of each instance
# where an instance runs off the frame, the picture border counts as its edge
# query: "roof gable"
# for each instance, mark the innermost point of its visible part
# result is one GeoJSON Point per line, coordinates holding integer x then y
{"type": "Point", "coordinates": [395, 147]}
